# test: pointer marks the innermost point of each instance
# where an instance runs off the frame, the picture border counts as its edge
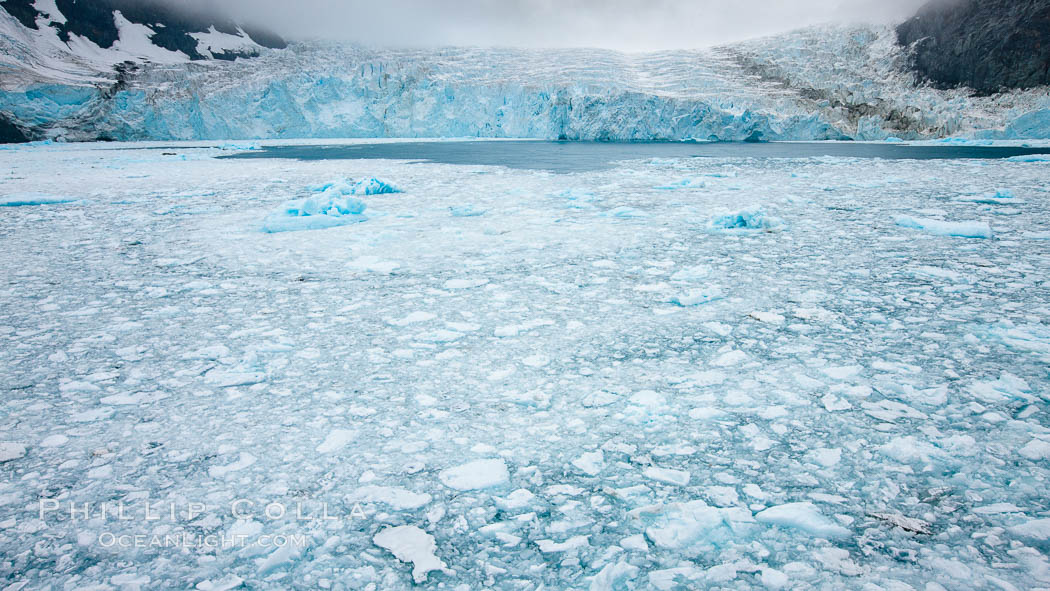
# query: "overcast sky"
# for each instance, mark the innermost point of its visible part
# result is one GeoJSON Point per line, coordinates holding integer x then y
{"type": "Point", "coordinates": [629, 25]}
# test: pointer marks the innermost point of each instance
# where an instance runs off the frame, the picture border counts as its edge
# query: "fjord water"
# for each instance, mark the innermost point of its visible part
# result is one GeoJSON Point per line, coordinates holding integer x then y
{"type": "Point", "coordinates": [588, 156]}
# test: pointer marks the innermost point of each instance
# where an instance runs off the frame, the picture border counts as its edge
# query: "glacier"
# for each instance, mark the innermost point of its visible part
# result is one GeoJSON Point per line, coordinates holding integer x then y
{"type": "Point", "coordinates": [823, 83]}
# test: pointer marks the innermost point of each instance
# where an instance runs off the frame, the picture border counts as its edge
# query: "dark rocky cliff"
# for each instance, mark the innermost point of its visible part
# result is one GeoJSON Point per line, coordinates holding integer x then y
{"type": "Point", "coordinates": [94, 20]}
{"type": "Point", "coordinates": [987, 45]}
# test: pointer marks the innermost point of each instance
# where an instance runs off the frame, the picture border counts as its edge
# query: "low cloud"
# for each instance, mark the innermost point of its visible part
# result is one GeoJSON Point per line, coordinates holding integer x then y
{"type": "Point", "coordinates": [629, 25]}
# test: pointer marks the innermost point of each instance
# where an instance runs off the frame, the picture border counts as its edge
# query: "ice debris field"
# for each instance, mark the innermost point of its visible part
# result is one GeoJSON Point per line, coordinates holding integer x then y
{"type": "Point", "coordinates": [768, 373]}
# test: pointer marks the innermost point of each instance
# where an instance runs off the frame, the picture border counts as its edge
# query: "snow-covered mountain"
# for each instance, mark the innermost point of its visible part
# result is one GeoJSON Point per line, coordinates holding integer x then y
{"type": "Point", "coordinates": [822, 83]}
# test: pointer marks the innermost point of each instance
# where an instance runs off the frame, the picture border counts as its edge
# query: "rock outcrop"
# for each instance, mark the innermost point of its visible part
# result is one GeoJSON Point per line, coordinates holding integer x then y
{"type": "Point", "coordinates": [986, 45]}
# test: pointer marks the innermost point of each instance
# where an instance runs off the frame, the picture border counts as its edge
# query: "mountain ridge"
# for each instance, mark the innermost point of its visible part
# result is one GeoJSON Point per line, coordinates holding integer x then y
{"type": "Point", "coordinates": [101, 22]}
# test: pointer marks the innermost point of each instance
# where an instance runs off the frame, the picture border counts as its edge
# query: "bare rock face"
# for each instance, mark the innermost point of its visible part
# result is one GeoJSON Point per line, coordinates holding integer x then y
{"type": "Point", "coordinates": [987, 45]}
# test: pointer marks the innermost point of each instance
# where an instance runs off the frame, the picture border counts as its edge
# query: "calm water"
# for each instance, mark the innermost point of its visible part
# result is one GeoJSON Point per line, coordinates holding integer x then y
{"type": "Point", "coordinates": [584, 156]}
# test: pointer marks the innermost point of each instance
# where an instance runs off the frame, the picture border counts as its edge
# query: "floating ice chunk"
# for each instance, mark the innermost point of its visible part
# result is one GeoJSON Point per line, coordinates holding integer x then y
{"type": "Point", "coordinates": [648, 398]}
{"type": "Point", "coordinates": [564, 489]}
{"type": "Point", "coordinates": [440, 335]}
{"type": "Point", "coordinates": [518, 499]}
{"type": "Point", "coordinates": [1034, 338]}
{"type": "Point", "coordinates": [614, 577]}
{"type": "Point", "coordinates": [908, 449]}
{"type": "Point", "coordinates": [209, 353]}
{"type": "Point", "coordinates": [283, 556]}
{"type": "Point", "coordinates": [464, 283]}
{"type": "Point", "coordinates": [11, 451]}
{"type": "Point", "coordinates": [54, 441]}
{"type": "Point", "coordinates": [550, 546]}
{"type": "Point", "coordinates": [373, 264]}
{"type": "Point", "coordinates": [413, 318]}
{"type": "Point", "coordinates": [101, 472]}
{"type": "Point", "coordinates": [131, 399]}
{"type": "Point", "coordinates": [325, 204]}
{"type": "Point", "coordinates": [705, 413]}
{"type": "Point", "coordinates": [28, 200]}
{"type": "Point", "coordinates": [636, 542]}
{"type": "Point", "coordinates": [1036, 450]}
{"type": "Point", "coordinates": [767, 317]}
{"type": "Point", "coordinates": [590, 463]}
{"type": "Point", "coordinates": [679, 577]}
{"type": "Point", "coordinates": [466, 211]}
{"type": "Point", "coordinates": [1007, 387]}
{"type": "Point", "coordinates": [373, 186]}
{"type": "Point", "coordinates": [842, 372]}
{"type": "Point", "coordinates": [410, 544]}
{"type": "Point", "coordinates": [826, 457]}
{"type": "Point", "coordinates": [230, 581]}
{"type": "Point", "coordinates": [624, 212]}
{"type": "Point", "coordinates": [751, 218]}
{"type": "Point", "coordinates": [599, 399]}
{"type": "Point", "coordinates": [696, 297]}
{"type": "Point", "coordinates": [997, 509]}
{"type": "Point", "coordinates": [330, 209]}
{"type": "Point", "coordinates": [1001, 197]}
{"type": "Point", "coordinates": [243, 462]}
{"type": "Point", "coordinates": [833, 403]}
{"type": "Point", "coordinates": [335, 441]}
{"type": "Point", "coordinates": [536, 360]}
{"type": "Point", "coordinates": [333, 206]}
{"type": "Point", "coordinates": [804, 516]}
{"type": "Point", "coordinates": [734, 357]}
{"type": "Point", "coordinates": [277, 223]}
{"type": "Point", "coordinates": [667, 475]}
{"type": "Point", "coordinates": [723, 496]}
{"type": "Point", "coordinates": [78, 386]}
{"type": "Point", "coordinates": [395, 497]}
{"type": "Point", "coordinates": [691, 274]}
{"type": "Point", "coordinates": [1037, 529]}
{"type": "Point", "coordinates": [687, 183]}
{"type": "Point", "coordinates": [679, 526]}
{"type": "Point", "coordinates": [774, 579]}
{"type": "Point", "coordinates": [908, 524]}
{"type": "Point", "coordinates": [230, 378]}
{"type": "Point", "coordinates": [476, 475]}
{"type": "Point", "coordinates": [938, 273]}
{"type": "Point", "coordinates": [576, 195]}
{"type": "Point", "coordinates": [837, 559]}
{"type": "Point", "coordinates": [969, 229]}
{"type": "Point", "coordinates": [891, 410]}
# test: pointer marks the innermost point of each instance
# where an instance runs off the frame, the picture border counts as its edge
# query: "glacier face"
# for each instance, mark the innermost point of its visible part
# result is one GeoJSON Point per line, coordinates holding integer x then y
{"type": "Point", "coordinates": [817, 84]}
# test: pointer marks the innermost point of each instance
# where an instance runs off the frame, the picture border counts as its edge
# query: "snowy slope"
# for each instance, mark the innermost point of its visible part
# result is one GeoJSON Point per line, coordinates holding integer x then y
{"type": "Point", "coordinates": [39, 42]}
{"type": "Point", "coordinates": [822, 83]}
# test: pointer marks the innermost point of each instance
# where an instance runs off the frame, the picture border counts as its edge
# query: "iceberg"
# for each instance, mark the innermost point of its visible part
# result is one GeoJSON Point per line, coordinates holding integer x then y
{"type": "Point", "coordinates": [970, 229]}
{"type": "Point", "coordinates": [29, 200]}
{"type": "Point", "coordinates": [333, 206]}
{"type": "Point", "coordinates": [751, 218]}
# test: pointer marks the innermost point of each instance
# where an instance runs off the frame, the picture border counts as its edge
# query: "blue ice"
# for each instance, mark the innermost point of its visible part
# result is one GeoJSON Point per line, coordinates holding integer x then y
{"type": "Point", "coordinates": [750, 218]}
